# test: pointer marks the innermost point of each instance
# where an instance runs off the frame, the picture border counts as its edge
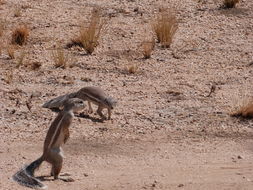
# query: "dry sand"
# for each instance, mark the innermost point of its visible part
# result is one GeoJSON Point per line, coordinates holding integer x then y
{"type": "Point", "coordinates": [166, 132]}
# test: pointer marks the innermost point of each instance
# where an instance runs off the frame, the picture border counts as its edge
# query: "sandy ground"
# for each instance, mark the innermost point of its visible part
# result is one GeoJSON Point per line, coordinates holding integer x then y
{"type": "Point", "coordinates": [166, 132]}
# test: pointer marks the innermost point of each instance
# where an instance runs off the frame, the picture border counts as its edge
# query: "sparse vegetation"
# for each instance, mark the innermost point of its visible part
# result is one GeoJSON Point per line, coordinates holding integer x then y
{"type": "Point", "coordinates": [89, 36]}
{"type": "Point", "coordinates": [35, 65]}
{"type": "Point", "coordinates": [1, 28]}
{"type": "Point", "coordinates": [11, 52]}
{"type": "Point", "coordinates": [132, 68]}
{"type": "Point", "coordinates": [245, 110]}
{"type": "Point", "coordinates": [17, 12]}
{"type": "Point", "coordinates": [147, 48]}
{"type": "Point", "coordinates": [60, 58]}
{"type": "Point", "coordinates": [26, 6]}
{"type": "Point", "coordinates": [8, 77]}
{"type": "Point", "coordinates": [165, 27]}
{"type": "Point", "coordinates": [20, 59]}
{"type": "Point", "coordinates": [230, 3]}
{"type": "Point", "coordinates": [20, 35]}
{"type": "Point", "coordinates": [2, 2]}
{"type": "Point", "coordinates": [1, 46]}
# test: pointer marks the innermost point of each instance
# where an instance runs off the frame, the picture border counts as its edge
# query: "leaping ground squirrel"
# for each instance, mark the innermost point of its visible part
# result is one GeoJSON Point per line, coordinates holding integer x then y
{"type": "Point", "coordinates": [57, 135]}
{"type": "Point", "coordinates": [91, 94]}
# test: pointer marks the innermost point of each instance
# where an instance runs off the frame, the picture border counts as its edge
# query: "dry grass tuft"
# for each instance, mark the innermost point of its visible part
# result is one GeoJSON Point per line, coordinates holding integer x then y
{"type": "Point", "coordinates": [17, 12]}
{"type": "Point", "coordinates": [165, 27]}
{"type": "Point", "coordinates": [2, 26]}
{"type": "Point", "coordinates": [147, 48]}
{"type": "Point", "coordinates": [1, 46]}
{"type": "Point", "coordinates": [8, 77]}
{"type": "Point", "coordinates": [2, 2]}
{"type": "Point", "coordinates": [60, 58]}
{"type": "Point", "coordinates": [11, 52]}
{"type": "Point", "coordinates": [35, 65]}
{"type": "Point", "coordinates": [89, 36]}
{"type": "Point", "coordinates": [132, 68]}
{"type": "Point", "coordinates": [245, 110]}
{"type": "Point", "coordinates": [20, 59]}
{"type": "Point", "coordinates": [26, 6]}
{"type": "Point", "coordinates": [229, 3]}
{"type": "Point", "coordinates": [20, 35]}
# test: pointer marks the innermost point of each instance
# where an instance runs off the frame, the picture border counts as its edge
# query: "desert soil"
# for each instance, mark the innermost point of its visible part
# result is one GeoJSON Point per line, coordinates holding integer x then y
{"type": "Point", "coordinates": [166, 132]}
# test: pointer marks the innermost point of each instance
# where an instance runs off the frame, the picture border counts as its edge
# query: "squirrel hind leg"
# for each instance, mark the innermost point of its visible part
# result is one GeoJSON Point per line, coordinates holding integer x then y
{"type": "Point", "coordinates": [55, 157]}
{"type": "Point", "coordinates": [99, 112]}
{"type": "Point", "coordinates": [56, 169]}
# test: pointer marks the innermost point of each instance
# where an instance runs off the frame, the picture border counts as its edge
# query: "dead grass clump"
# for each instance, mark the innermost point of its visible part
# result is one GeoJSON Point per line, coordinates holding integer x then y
{"type": "Point", "coordinates": [60, 58]}
{"type": "Point", "coordinates": [1, 28]}
{"type": "Point", "coordinates": [229, 3]}
{"type": "Point", "coordinates": [35, 65]}
{"type": "Point", "coordinates": [147, 48]}
{"type": "Point", "coordinates": [132, 68]}
{"type": "Point", "coordinates": [245, 110]}
{"type": "Point", "coordinates": [26, 6]}
{"type": "Point", "coordinates": [165, 27]}
{"type": "Point", "coordinates": [2, 2]}
{"type": "Point", "coordinates": [11, 52]}
{"type": "Point", "coordinates": [20, 59]}
{"type": "Point", "coordinates": [17, 12]}
{"type": "Point", "coordinates": [89, 36]}
{"type": "Point", "coordinates": [8, 77]}
{"type": "Point", "coordinates": [20, 35]}
{"type": "Point", "coordinates": [1, 46]}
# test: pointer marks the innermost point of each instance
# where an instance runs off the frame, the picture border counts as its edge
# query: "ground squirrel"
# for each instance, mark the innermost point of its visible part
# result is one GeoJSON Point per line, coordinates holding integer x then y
{"type": "Point", "coordinates": [57, 135]}
{"type": "Point", "coordinates": [92, 94]}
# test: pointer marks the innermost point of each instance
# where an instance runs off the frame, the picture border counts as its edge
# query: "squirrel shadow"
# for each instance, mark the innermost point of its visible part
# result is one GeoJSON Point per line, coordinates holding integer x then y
{"type": "Point", "coordinates": [50, 178]}
{"type": "Point", "coordinates": [81, 115]}
{"type": "Point", "coordinates": [86, 116]}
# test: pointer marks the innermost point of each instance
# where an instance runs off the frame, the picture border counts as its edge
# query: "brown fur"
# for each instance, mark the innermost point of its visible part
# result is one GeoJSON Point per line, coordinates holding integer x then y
{"type": "Point", "coordinates": [57, 135]}
{"type": "Point", "coordinates": [91, 94]}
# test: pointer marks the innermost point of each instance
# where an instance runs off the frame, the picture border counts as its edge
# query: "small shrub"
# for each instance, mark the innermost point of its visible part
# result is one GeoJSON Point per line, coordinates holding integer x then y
{"type": "Point", "coordinates": [230, 3]}
{"type": "Point", "coordinates": [245, 110]}
{"type": "Point", "coordinates": [89, 36]}
{"type": "Point", "coordinates": [11, 52]}
{"type": "Point", "coordinates": [165, 27]}
{"type": "Point", "coordinates": [20, 35]}
{"type": "Point", "coordinates": [147, 48]}
{"type": "Point", "coordinates": [60, 58]}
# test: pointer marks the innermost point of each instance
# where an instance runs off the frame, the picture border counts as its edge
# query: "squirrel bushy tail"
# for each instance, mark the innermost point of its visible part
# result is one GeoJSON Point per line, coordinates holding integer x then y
{"type": "Point", "coordinates": [58, 101]}
{"type": "Point", "coordinates": [25, 176]}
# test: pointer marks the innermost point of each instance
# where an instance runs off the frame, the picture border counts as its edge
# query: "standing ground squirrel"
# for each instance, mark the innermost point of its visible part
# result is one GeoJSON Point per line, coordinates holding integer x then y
{"type": "Point", "coordinates": [57, 135]}
{"type": "Point", "coordinates": [91, 94]}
